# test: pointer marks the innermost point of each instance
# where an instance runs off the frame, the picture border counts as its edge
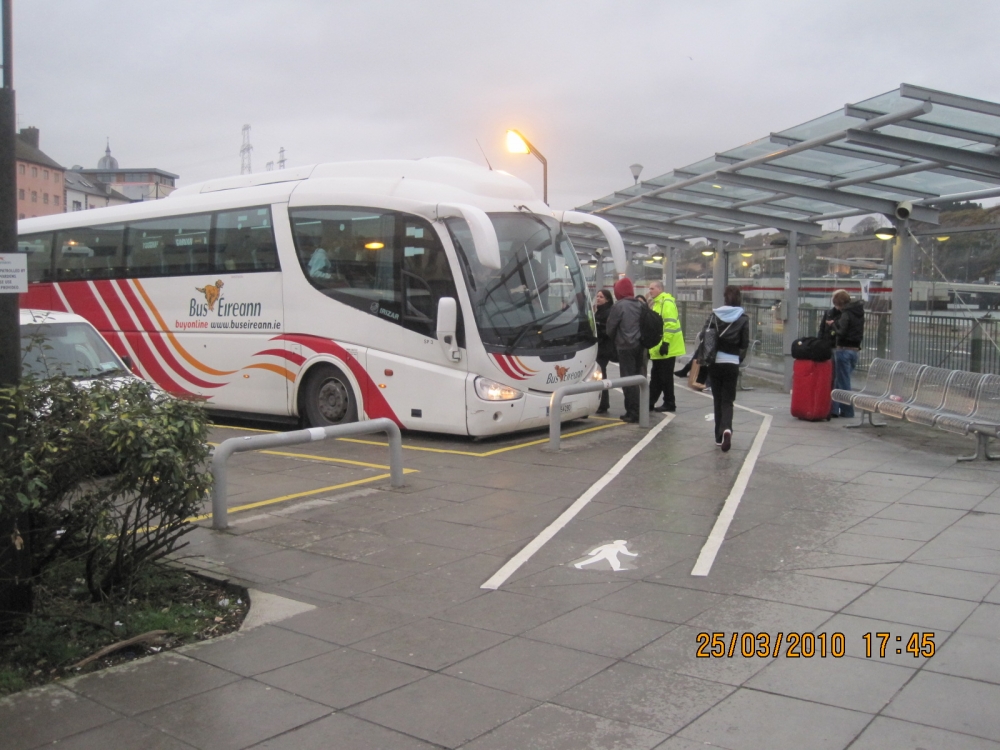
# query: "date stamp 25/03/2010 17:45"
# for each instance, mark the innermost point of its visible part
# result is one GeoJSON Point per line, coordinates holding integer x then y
{"type": "Point", "coordinates": [807, 645]}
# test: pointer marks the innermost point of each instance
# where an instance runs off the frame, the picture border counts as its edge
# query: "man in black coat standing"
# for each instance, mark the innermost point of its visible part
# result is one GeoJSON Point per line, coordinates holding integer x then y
{"type": "Point", "coordinates": [623, 329]}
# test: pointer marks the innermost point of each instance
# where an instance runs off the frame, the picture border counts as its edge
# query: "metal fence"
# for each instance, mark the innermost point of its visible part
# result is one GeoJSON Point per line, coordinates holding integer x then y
{"type": "Point", "coordinates": [949, 341]}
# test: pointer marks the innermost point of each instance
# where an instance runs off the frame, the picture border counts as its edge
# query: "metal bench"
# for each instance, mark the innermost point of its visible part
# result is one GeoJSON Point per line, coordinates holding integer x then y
{"type": "Point", "coordinates": [876, 386]}
{"type": "Point", "coordinates": [983, 420]}
{"type": "Point", "coordinates": [927, 396]}
{"type": "Point", "coordinates": [953, 400]}
{"type": "Point", "coordinates": [902, 389]}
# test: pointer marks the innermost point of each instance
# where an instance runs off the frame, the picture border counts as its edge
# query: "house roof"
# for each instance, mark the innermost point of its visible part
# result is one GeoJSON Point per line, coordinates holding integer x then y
{"type": "Point", "coordinates": [24, 151]}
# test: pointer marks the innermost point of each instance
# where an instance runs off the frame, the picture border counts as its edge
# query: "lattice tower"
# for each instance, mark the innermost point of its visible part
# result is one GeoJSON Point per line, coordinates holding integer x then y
{"type": "Point", "coordinates": [245, 150]}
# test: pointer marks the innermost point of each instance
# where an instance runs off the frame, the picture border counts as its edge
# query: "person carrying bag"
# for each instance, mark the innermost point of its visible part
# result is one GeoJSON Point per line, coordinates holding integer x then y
{"type": "Point", "coordinates": [725, 340]}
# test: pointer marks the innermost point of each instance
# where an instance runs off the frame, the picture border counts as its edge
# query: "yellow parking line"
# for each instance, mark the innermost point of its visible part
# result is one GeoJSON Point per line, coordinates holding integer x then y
{"type": "Point", "coordinates": [330, 459]}
{"type": "Point", "coordinates": [612, 422]}
{"type": "Point", "coordinates": [619, 423]}
{"type": "Point", "coordinates": [286, 498]}
{"type": "Point", "coordinates": [526, 444]}
{"type": "Point", "coordinates": [247, 429]}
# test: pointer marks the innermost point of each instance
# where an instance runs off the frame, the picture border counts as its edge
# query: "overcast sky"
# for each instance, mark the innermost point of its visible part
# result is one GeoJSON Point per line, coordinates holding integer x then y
{"type": "Point", "coordinates": [596, 86]}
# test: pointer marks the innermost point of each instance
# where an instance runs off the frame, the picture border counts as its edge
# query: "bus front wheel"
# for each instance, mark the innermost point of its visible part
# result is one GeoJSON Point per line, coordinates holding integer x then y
{"type": "Point", "coordinates": [327, 398]}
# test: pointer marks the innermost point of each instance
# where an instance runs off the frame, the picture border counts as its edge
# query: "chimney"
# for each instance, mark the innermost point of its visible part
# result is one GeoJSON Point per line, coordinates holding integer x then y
{"type": "Point", "coordinates": [29, 136]}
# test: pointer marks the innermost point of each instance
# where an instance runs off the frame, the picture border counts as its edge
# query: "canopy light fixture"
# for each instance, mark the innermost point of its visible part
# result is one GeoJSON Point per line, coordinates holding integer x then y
{"type": "Point", "coordinates": [943, 238]}
{"type": "Point", "coordinates": [885, 233]}
{"type": "Point", "coordinates": [717, 187]}
{"type": "Point", "coordinates": [374, 245]}
{"type": "Point", "coordinates": [708, 253]}
{"type": "Point", "coordinates": [745, 264]}
{"type": "Point", "coordinates": [747, 255]}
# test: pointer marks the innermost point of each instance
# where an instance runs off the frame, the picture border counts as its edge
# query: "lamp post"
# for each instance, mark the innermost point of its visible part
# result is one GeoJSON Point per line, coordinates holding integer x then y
{"type": "Point", "coordinates": [518, 144]}
{"type": "Point", "coordinates": [636, 171]}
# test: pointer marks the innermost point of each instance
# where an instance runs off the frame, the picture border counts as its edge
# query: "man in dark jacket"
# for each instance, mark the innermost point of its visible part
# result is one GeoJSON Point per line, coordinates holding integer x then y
{"type": "Point", "coordinates": [849, 330]}
{"type": "Point", "coordinates": [623, 329]}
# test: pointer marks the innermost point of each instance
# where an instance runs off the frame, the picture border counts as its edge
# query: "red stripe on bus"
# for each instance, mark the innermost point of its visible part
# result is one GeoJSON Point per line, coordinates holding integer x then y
{"type": "Point", "coordinates": [146, 324]}
{"type": "Point", "coordinates": [375, 404]}
{"type": "Point", "coordinates": [137, 342]}
{"type": "Point", "coordinates": [503, 365]}
{"type": "Point", "coordinates": [290, 356]}
{"type": "Point", "coordinates": [517, 367]}
{"type": "Point", "coordinates": [83, 302]}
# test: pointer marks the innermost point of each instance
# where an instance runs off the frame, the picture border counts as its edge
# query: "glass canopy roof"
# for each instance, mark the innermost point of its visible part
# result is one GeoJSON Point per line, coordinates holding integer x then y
{"type": "Point", "coordinates": [912, 144]}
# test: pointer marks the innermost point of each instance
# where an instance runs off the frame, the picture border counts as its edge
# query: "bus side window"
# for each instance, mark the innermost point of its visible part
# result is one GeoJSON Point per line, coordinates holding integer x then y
{"type": "Point", "coordinates": [90, 253]}
{"type": "Point", "coordinates": [167, 246]}
{"type": "Point", "coordinates": [38, 248]}
{"type": "Point", "coordinates": [244, 241]}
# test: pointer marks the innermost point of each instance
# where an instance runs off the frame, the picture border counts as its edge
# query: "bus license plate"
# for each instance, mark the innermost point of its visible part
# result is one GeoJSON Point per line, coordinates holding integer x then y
{"type": "Point", "coordinates": [564, 408]}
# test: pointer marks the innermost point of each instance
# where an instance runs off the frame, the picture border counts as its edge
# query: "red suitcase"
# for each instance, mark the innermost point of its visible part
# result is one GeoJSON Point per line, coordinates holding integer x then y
{"type": "Point", "coordinates": [811, 386]}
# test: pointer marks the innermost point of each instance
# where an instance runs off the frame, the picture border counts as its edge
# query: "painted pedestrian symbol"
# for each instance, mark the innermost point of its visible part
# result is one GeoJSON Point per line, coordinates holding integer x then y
{"type": "Point", "coordinates": [608, 552]}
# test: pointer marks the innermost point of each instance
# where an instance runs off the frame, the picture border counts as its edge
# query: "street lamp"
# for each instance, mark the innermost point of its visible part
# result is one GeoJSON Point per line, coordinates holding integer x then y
{"type": "Point", "coordinates": [636, 171]}
{"type": "Point", "coordinates": [518, 144]}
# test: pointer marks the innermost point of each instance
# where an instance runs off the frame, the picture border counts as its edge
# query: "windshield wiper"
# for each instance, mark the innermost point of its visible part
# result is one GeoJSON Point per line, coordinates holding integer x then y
{"type": "Point", "coordinates": [528, 326]}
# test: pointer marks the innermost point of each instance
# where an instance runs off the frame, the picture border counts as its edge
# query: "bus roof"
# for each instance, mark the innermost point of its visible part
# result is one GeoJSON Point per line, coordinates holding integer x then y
{"type": "Point", "coordinates": [429, 180]}
{"type": "Point", "coordinates": [445, 171]}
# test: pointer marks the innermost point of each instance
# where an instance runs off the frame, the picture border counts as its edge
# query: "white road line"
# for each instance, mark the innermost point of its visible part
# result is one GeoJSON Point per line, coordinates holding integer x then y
{"type": "Point", "coordinates": [553, 528]}
{"type": "Point", "coordinates": [711, 548]}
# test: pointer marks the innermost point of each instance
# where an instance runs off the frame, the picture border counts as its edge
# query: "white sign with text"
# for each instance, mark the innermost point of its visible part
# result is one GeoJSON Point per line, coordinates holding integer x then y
{"type": "Point", "coordinates": [13, 273]}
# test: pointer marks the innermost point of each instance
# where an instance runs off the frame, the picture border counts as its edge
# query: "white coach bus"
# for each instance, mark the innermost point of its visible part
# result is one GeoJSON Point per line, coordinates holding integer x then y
{"type": "Point", "coordinates": [435, 292]}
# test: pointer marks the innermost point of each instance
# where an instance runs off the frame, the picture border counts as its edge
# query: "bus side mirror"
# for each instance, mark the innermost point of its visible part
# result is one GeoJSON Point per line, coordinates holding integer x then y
{"type": "Point", "coordinates": [606, 228]}
{"type": "Point", "coordinates": [447, 323]}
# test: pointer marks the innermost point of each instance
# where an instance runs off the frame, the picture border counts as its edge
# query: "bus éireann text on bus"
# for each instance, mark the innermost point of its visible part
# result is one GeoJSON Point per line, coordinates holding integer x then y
{"type": "Point", "coordinates": [436, 292]}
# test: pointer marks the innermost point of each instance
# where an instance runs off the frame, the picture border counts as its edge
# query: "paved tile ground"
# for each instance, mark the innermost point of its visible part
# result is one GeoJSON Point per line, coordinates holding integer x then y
{"type": "Point", "coordinates": [840, 533]}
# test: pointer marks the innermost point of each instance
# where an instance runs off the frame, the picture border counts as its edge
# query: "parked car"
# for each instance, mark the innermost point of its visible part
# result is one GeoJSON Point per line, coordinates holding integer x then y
{"type": "Point", "coordinates": [58, 343]}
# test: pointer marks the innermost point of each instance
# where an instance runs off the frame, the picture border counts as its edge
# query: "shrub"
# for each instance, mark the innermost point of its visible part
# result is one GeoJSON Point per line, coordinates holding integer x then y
{"type": "Point", "coordinates": [105, 473]}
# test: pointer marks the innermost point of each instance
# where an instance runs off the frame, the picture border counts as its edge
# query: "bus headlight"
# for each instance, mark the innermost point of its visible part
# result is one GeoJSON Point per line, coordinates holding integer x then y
{"type": "Point", "coordinates": [490, 390]}
{"type": "Point", "coordinates": [595, 374]}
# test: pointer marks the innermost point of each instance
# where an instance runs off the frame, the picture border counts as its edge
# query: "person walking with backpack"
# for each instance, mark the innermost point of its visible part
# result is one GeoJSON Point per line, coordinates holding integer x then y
{"type": "Point", "coordinates": [665, 353]}
{"type": "Point", "coordinates": [726, 337]}
{"type": "Point", "coordinates": [623, 330]}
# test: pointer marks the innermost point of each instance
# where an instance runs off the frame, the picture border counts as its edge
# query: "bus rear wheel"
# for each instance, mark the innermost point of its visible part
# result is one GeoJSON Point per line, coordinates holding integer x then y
{"type": "Point", "coordinates": [327, 398]}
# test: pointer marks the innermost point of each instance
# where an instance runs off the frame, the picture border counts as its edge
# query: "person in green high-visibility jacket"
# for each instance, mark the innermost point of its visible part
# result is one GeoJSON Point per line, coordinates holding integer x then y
{"type": "Point", "coordinates": [663, 356]}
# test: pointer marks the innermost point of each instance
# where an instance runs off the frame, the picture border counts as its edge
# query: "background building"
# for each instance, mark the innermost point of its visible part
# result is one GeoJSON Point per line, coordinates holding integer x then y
{"type": "Point", "coordinates": [83, 192]}
{"type": "Point", "coordinates": [39, 178]}
{"type": "Point", "coordinates": [136, 184]}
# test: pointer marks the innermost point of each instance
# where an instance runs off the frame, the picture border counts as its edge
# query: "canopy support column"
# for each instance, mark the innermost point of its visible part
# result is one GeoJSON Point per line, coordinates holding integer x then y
{"type": "Point", "coordinates": [902, 275]}
{"type": "Point", "coordinates": [720, 268]}
{"type": "Point", "coordinates": [599, 274]}
{"type": "Point", "coordinates": [669, 271]}
{"type": "Point", "coordinates": [790, 308]}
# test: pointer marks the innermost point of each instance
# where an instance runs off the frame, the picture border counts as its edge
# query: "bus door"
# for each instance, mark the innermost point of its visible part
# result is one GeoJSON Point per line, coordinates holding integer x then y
{"type": "Point", "coordinates": [427, 388]}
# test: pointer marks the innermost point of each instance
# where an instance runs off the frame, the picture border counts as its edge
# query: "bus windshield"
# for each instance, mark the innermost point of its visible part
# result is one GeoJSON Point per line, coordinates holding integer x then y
{"type": "Point", "coordinates": [537, 300]}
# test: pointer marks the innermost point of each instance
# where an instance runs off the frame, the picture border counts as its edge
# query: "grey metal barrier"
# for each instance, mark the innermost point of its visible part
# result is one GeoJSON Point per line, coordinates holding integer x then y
{"type": "Point", "coordinates": [555, 401]}
{"type": "Point", "coordinates": [226, 448]}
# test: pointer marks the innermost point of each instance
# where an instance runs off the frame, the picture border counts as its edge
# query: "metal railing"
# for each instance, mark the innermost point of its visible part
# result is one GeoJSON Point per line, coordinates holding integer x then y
{"type": "Point", "coordinates": [555, 401]}
{"type": "Point", "coordinates": [940, 340]}
{"type": "Point", "coordinates": [220, 510]}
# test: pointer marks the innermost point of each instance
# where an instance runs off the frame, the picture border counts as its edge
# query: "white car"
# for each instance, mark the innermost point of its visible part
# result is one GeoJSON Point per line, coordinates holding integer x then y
{"type": "Point", "coordinates": [58, 343]}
